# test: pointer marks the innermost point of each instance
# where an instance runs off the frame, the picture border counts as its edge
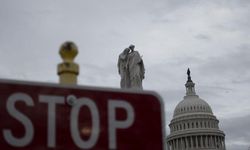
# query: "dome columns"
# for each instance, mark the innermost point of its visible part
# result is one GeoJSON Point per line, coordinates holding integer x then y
{"type": "Point", "coordinates": [197, 142]}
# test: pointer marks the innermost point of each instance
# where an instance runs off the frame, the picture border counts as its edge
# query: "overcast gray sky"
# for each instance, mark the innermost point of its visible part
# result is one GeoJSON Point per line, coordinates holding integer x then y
{"type": "Point", "coordinates": [212, 37]}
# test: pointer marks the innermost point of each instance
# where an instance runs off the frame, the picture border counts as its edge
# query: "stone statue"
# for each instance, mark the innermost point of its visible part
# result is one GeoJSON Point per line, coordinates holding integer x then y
{"type": "Point", "coordinates": [122, 68]}
{"type": "Point", "coordinates": [133, 70]}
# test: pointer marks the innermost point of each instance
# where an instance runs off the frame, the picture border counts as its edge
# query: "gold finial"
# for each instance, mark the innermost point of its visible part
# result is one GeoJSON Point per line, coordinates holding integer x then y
{"type": "Point", "coordinates": [68, 70]}
{"type": "Point", "coordinates": [68, 51]}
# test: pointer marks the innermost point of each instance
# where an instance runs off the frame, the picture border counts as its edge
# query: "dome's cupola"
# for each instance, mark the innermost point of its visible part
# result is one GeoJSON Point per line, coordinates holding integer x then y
{"type": "Point", "coordinates": [190, 90]}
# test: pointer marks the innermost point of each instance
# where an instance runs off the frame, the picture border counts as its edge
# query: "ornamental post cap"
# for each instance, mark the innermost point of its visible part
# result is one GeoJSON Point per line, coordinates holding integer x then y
{"type": "Point", "coordinates": [68, 51]}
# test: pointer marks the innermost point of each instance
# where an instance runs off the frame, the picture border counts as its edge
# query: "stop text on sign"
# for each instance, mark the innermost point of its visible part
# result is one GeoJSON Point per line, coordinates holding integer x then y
{"type": "Point", "coordinates": [52, 102]}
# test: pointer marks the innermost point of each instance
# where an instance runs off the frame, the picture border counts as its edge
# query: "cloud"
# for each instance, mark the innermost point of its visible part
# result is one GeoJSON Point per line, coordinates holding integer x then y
{"type": "Point", "coordinates": [104, 75]}
{"type": "Point", "coordinates": [237, 132]}
{"type": "Point", "coordinates": [211, 37]}
{"type": "Point", "coordinates": [202, 37]}
{"type": "Point", "coordinates": [231, 66]}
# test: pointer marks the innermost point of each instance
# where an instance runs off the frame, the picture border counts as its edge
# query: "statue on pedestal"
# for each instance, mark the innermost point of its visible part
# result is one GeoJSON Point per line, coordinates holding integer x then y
{"type": "Point", "coordinates": [131, 68]}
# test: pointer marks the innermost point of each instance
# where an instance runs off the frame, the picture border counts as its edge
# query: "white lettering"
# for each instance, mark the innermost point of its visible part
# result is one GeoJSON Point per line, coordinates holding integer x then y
{"type": "Point", "coordinates": [114, 124]}
{"type": "Point", "coordinates": [52, 102]}
{"type": "Point", "coordinates": [28, 126]}
{"type": "Point", "coordinates": [74, 123]}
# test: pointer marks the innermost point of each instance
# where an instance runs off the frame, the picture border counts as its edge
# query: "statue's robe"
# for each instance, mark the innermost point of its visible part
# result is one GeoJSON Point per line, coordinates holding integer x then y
{"type": "Point", "coordinates": [136, 70]}
{"type": "Point", "coordinates": [123, 70]}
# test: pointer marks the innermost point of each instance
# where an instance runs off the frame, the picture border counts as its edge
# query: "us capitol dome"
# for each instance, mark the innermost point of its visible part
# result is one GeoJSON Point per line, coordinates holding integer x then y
{"type": "Point", "coordinates": [194, 126]}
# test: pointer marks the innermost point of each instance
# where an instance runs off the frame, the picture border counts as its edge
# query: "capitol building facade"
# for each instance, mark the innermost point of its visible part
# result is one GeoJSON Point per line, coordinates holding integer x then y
{"type": "Point", "coordinates": [194, 126]}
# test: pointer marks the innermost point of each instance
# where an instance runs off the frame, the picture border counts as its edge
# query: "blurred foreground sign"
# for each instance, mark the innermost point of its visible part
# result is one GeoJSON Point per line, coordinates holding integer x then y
{"type": "Point", "coordinates": [39, 116]}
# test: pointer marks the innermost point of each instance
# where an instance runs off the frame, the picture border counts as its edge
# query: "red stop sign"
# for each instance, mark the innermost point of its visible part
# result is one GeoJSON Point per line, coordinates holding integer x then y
{"type": "Point", "coordinates": [50, 116]}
